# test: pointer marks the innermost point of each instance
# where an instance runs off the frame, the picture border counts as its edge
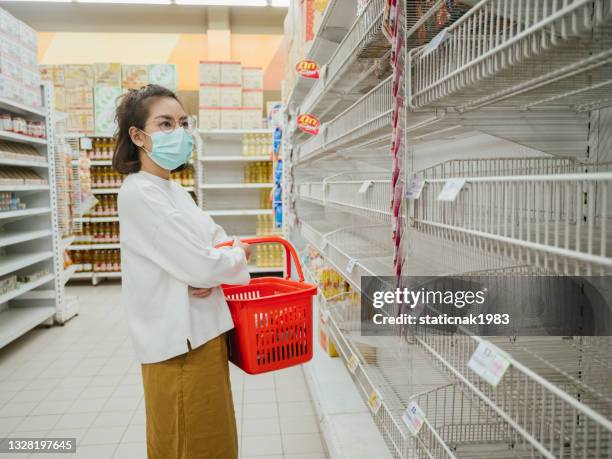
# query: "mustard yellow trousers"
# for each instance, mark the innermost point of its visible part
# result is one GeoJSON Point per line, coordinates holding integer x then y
{"type": "Point", "coordinates": [189, 406]}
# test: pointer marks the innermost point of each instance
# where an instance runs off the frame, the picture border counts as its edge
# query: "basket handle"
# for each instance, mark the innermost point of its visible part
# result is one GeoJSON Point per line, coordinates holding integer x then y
{"type": "Point", "coordinates": [289, 251]}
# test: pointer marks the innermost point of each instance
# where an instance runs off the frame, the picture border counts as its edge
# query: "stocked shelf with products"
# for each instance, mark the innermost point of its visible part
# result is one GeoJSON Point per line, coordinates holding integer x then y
{"type": "Point", "coordinates": [487, 152]}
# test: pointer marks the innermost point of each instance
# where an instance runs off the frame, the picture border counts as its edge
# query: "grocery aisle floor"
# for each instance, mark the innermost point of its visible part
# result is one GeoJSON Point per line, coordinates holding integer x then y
{"type": "Point", "coordinates": [81, 381]}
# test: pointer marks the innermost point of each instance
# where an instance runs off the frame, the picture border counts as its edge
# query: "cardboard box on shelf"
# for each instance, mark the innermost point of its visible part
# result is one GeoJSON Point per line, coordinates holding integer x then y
{"type": "Point", "coordinates": [231, 73]}
{"type": "Point", "coordinates": [251, 118]}
{"type": "Point", "coordinates": [105, 100]}
{"type": "Point", "coordinates": [78, 76]}
{"type": "Point", "coordinates": [54, 73]}
{"type": "Point", "coordinates": [10, 48]}
{"type": "Point", "coordinates": [252, 77]}
{"type": "Point", "coordinates": [9, 25]}
{"type": "Point", "coordinates": [29, 59]}
{"type": "Point", "coordinates": [210, 118]}
{"type": "Point", "coordinates": [231, 95]}
{"type": "Point", "coordinates": [28, 36]}
{"type": "Point", "coordinates": [252, 98]}
{"type": "Point", "coordinates": [163, 75]}
{"type": "Point", "coordinates": [30, 78]}
{"type": "Point", "coordinates": [10, 89]}
{"type": "Point", "coordinates": [210, 95]}
{"type": "Point", "coordinates": [231, 118]}
{"type": "Point", "coordinates": [79, 99]}
{"type": "Point", "coordinates": [32, 97]}
{"type": "Point", "coordinates": [10, 67]}
{"type": "Point", "coordinates": [59, 98]}
{"type": "Point", "coordinates": [80, 121]}
{"type": "Point", "coordinates": [134, 76]}
{"type": "Point", "coordinates": [107, 74]}
{"type": "Point", "coordinates": [210, 72]}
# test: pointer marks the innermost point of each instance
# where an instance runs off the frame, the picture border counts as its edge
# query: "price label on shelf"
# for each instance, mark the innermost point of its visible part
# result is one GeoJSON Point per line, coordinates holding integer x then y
{"type": "Point", "coordinates": [375, 401]}
{"type": "Point", "coordinates": [414, 418]}
{"type": "Point", "coordinates": [85, 143]}
{"type": "Point", "coordinates": [489, 362]}
{"type": "Point", "coordinates": [365, 186]}
{"type": "Point", "coordinates": [351, 265]}
{"type": "Point", "coordinates": [451, 189]}
{"type": "Point", "coordinates": [352, 363]}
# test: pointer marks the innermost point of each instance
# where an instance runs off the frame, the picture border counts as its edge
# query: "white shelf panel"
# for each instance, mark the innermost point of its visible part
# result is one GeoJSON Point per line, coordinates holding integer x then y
{"type": "Point", "coordinates": [21, 109]}
{"type": "Point", "coordinates": [68, 273]}
{"type": "Point", "coordinates": [13, 137]}
{"type": "Point", "coordinates": [113, 275]}
{"type": "Point", "coordinates": [95, 246]}
{"type": "Point", "coordinates": [228, 133]}
{"type": "Point", "coordinates": [220, 186]}
{"type": "Point", "coordinates": [22, 162]}
{"type": "Point", "coordinates": [24, 213]}
{"type": "Point", "coordinates": [11, 237]}
{"type": "Point", "coordinates": [14, 322]}
{"type": "Point", "coordinates": [25, 288]}
{"type": "Point", "coordinates": [24, 187]}
{"type": "Point", "coordinates": [266, 269]}
{"type": "Point", "coordinates": [96, 219]}
{"type": "Point", "coordinates": [244, 212]}
{"type": "Point", "coordinates": [105, 190]}
{"type": "Point", "coordinates": [228, 159]}
{"type": "Point", "coordinates": [13, 262]}
{"type": "Point", "coordinates": [66, 242]}
{"type": "Point", "coordinates": [100, 162]}
{"type": "Point", "coordinates": [85, 275]}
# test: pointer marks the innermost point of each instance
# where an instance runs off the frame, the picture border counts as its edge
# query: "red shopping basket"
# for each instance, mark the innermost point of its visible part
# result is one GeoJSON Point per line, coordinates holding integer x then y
{"type": "Point", "coordinates": [272, 317]}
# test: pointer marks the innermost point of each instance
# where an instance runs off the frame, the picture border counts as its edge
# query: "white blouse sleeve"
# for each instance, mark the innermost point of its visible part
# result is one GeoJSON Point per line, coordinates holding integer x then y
{"type": "Point", "coordinates": [154, 229]}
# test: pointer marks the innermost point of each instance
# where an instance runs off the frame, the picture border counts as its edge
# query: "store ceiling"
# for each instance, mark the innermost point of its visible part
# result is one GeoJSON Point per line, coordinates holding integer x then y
{"type": "Point", "coordinates": [75, 17]}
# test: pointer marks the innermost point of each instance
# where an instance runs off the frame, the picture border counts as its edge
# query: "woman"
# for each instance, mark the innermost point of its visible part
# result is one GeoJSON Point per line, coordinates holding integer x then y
{"type": "Point", "coordinates": [177, 314]}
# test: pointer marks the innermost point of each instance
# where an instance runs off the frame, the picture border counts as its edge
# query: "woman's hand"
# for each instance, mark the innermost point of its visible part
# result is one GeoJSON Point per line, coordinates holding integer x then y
{"type": "Point", "coordinates": [200, 292]}
{"type": "Point", "coordinates": [243, 246]}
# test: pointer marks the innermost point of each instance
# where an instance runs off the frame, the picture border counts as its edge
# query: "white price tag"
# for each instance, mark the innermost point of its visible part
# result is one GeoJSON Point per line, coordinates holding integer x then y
{"type": "Point", "coordinates": [451, 189]}
{"type": "Point", "coordinates": [489, 362]}
{"type": "Point", "coordinates": [352, 364]}
{"type": "Point", "coordinates": [415, 187]}
{"type": "Point", "coordinates": [414, 418]}
{"type": "Point", "coordinates": [86, 143]}
{"type": "Point", "coordinates": [375, 401]}
{"type": "Point", "coordinates": [435, 42]}
{"type": "Point", "coordinates": [365, 186]}
{"type": "Point", "coordinates": [351, 265]}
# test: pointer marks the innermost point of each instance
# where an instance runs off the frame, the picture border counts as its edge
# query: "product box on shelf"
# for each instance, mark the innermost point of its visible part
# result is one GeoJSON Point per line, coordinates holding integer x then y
{"type": "Point", "coordinates": [9, 25]}
{"type": "Point", "coordinates": [231, 117]}
{"type": "Point", "coordinates": [59, 98]}
{"type": "Point", "coordinates": [210, 95]}
{"type": "Point", "coordinates": [163, 75]}
{"type": "Point", "coordinates": [28, 36]}
{"type": "Point", "coordinates": [231, 73]}
{"type": "Point", "coordinates": [29, 60]}
{"type": "Point", "coordinates": [53, 73]}
{"type": "Point", "coordinates": [30, 78]}
{"type": "Point", "coordinates": [10, 48]}
{"type": "Point", "coordinates": [210, 118]}
{"type": "Point", "coordinates": [78, 76]}
{"type": "Point", "coordinates": [105, 100]}
{"type": "Point", "coordinates": [252, 77]}
{"type": "Point", "coordinates": [230, 95]}
{"type": "Point", "coordinates": [32, 96]}
{"type": "Point", "coordinates": [252, 98]}
{"type": "Point", "coordinates": [107, 74]}
{"type": "Point", "coordinates": [10, 67]}
{"type": "Point", "coordinates": [325, 339]}
{"type": "Point", "coordinates": [80, 121]}
{"type": "Point", "coordinates": [134, 76]}
{"type": "Point", "coordinates": [210, 72]}
{"type": "Point", "coordinates": [10, 89]}
{"type": "Point", "coordinates": [251, 117]}
{"type": "Point", "coordinates": [79, 98]}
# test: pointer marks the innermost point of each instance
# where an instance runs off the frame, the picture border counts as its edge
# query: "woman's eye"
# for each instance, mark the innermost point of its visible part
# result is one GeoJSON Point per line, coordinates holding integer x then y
{"type": "Point", "coordinates": [165, 124]}
{"type": "Point", "coordinates": [184, 124]}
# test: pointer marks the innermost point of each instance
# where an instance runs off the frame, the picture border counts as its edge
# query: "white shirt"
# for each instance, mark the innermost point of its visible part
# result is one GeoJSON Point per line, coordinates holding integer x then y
{"type": "Point", "coordinates": [166, 246]}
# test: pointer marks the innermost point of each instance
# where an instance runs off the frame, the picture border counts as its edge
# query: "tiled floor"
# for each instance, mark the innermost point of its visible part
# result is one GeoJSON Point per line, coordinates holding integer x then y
{"type": "Point", "coordinates": [81, 380]}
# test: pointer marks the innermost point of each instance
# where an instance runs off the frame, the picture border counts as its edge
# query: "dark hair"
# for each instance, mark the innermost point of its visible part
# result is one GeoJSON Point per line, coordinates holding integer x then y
{"type": "Point", "coordinates": [133, 110]}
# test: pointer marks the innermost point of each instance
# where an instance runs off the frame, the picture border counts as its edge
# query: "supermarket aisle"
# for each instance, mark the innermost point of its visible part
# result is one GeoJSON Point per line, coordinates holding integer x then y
{"type": "Point", "coordinates": [81, 381]}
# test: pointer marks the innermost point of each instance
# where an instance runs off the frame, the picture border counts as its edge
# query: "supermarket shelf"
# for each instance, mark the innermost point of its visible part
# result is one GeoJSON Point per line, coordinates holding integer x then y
{"type": "Point", "coordinates": [109, 275]}
{"type": "Point", "coordinates": [21, 109]}
{"type": "Point", "coordinates": [225, 133]}
{"type": "Point", "coordinates": [335, 23]}
{"type": "Point", "coordinates": [16, 237]}
{"type": "Point", "coordinates": [22, 162]}
{"type": "Point", "coordinates": [68, 273]}
{"type": "Point", "coordinates": [244, 212]}
{"type": "Point", "coordinates": [266, 269]}
{"type": "Point", "coordinates": [95, 246]}
{"type": "Point", "coordinates": [24, 213]}
{"type": "Point", "coordinates": [13, 137]}
{"type": "Point", "coordinates": [13, 262]}
{"type": "Point", "coordinates": [100, 162]}
{"type": "Point", "coordinates": [24, 187]}
{"type": "Point", "coordinates": [25, 288]}
{"type": "Point", "coordinates": [105, 190]}
{"type": "Point", "coordinates": [219, 186]}
{"type": "Point", "coordinates": [96, 219]}
{"type": "Point", "coordinates": [66, 242]}
{"type": "Point", "coordinates": [234, 158]}
{"type": "Point", "coordinates": [15, 321]}
{"type": "Point", "coordinates": [85, 275]}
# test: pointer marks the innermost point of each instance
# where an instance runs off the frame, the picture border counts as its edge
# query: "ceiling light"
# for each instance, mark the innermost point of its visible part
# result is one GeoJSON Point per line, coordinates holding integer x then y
{"type": "Point", "coordinates": [223, 2]}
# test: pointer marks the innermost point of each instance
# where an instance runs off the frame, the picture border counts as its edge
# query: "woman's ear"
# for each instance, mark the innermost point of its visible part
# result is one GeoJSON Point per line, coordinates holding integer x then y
{"type": "Point", "coordinates": [137, 136]}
